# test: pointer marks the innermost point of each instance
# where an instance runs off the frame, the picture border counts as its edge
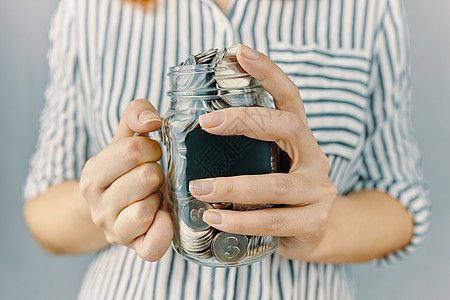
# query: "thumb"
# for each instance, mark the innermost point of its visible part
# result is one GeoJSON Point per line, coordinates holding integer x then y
{"type": "Point", "coordinates": [140, 116]}
{"type": "Point", "coordinates": [284, 92]}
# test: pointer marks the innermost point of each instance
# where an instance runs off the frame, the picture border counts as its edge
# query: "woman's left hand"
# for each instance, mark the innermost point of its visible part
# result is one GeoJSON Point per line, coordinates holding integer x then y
{"type": "Point", "coordinates": [306, 192]}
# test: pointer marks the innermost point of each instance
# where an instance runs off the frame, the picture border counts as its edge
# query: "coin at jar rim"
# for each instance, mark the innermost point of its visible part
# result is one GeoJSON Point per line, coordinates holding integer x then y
{"type": "Point", "coordinates": [192, 214]}
{"type": "Point", "coordinates": [205, 57]}
{"type": "Point", "coordinates": [220, 54]}
{"type": "Point", "coordinates": [229, 247]}
{"type": "Point", "coordinates": [229, 73]}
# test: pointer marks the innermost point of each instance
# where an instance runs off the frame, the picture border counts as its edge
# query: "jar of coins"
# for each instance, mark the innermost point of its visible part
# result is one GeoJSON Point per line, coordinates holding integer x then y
{"type": "Point", "coordinates": [203, 83]}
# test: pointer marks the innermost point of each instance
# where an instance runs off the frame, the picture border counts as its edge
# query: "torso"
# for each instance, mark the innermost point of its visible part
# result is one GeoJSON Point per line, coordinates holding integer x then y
{"type": "Point", "coordinates": [330, 68]}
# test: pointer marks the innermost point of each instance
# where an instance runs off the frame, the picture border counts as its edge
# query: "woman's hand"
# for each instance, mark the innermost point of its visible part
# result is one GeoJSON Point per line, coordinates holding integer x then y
{"type": "Point", "coordinates": [121, 185]}
{"type": "Point", "coordinates": [306, 192]}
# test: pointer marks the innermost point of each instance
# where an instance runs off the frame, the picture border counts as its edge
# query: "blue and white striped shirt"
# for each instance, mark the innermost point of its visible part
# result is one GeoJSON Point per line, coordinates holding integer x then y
{"type": "Point", "coordinates": [350, 60]}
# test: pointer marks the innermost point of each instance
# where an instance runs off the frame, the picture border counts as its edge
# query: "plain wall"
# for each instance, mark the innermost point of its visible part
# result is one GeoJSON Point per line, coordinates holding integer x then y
{"type": "Point", "coordinates": [27, 272]}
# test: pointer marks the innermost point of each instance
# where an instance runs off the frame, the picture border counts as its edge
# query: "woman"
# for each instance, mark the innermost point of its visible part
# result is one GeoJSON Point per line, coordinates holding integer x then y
{"type": "Point", "coordinates": [354, 192]}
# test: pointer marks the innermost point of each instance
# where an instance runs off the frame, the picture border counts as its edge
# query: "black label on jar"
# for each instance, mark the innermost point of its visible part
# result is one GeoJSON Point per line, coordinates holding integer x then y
{"type": "Point", "coordinates": [211, 155]}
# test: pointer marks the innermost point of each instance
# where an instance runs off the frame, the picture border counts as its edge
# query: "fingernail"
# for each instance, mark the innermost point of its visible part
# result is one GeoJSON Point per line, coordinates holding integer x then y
{"type": "Point", "coordinates": [201, 187]}
{"type": "Point", "coordinates": [148, 116]}
{"type": "Point", "coordinates": [249, 53]}
{"type": "Point", "coordinates": [212, 119]}
{"type": "Point", "coordinates": [212, 217]}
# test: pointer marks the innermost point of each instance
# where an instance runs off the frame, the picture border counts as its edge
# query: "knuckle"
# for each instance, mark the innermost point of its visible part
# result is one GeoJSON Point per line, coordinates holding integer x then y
{"type": "Point", "coordinates": [86, 183]}
{"type": "Point", "coordinates": [321, 222]}
{"type": "Point", "coordinates": [274, 223]}
{"type": "Point", "coordinates": [296, 124]}
{"type": "Point", "coordinates": [328, 190]}
{"type": "Point", "coordinates": [98, 218]}
{"type": "Point", "coordinates": [84, 186]}
{"type": "Point", "coordinates": [282, 184]}
{"type": "Point", "coordinates": [323, 163]}
{"type": "Point", "coordinates": [112, 239]}
{"type": "Point", "coordinates": [132, 152]}
{"type": "Point", "coordinates": [155, 147]}
{"type": "Point", "coordinates": [144, 214]}
{"type": "Point", "coordinates": [332, 191]}
{"type": "Point", "coordinates": [149, 177]}
{"type": "Point", "coordinates": [229, 186]}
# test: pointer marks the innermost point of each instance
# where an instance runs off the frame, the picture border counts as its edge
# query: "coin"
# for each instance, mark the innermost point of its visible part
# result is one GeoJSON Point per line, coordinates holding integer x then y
{"type": "Point", "coordinates": [220, 54]}
{"type": "Point", "coordinates": [192, 214]}
{"type": "Point", "coordinates": [217, 104]}
{"type": "Point", "coordinates": [253, 245]}
{"type": "Point", "coordinates": [184, 80]}
{"type": "Point", "coordinates": [205, 57]}
{"type": "Point", "coordinates": [195, 242]}
{"type": "Point", "coordinates": [229, 73]}
{"type": "Point", "coordinates": [210, 80]}
{"type": "Point", "coordinates": [229, 247]}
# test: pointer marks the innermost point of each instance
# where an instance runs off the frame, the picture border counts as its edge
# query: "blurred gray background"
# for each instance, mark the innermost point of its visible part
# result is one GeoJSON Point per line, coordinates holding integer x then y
{"type": "Point", "coordinates": [27, 272]}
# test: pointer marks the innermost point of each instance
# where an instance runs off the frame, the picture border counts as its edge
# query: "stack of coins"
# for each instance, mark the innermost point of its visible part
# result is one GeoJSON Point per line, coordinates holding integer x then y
{"type": "Point", "coordinates": [202, 241]}
{"type": "Point", "coordinates": [258, 244]}
{"type": "Point", "coordinates": [217, 74]}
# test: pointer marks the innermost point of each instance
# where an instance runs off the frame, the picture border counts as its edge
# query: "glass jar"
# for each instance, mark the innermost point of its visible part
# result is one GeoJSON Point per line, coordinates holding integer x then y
{"type": "Point", "coordinates": [193, 153]}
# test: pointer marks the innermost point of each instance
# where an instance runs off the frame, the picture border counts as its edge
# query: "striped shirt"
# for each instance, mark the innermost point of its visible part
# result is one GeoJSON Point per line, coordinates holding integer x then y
{"type": "Point", "coordinates": [350, 60]}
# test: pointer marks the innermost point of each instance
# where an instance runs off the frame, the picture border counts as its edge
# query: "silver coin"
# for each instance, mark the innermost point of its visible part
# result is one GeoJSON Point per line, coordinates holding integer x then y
{"type": "Point", "coordinates": [184, 80]}
{"type": "Point", "coordinates": [229, 73]}
{"type": "Point", "coordinates": [219, 56]}
{"type": "Point", "coordinates": [219, 104]}
{"type": "Point", "coordinates": [229, 247]}
{"type": "Point", "coordinates": [196, 243]}
{"type": "Point", "coordinates": [231, 51]}
{"type": "Point", "coordinates": [205, 56]}
{"type": "Point", "coordinates": [192, 214]}
{"type": "Point", "coordinates": [238, 97]}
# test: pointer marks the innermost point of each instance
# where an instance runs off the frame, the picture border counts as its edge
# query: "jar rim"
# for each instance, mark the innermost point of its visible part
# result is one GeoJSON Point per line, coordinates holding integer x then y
{"type": "Point", "coordinates": [214, 91]}
{"type": "Point", "coordinates": [201, 68]}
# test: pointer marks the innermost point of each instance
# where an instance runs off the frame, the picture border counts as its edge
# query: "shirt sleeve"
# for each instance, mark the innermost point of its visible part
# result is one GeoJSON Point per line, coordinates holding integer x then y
{"type": "Point", "coordinates": [390, 158]}
{"type": "Point", "coordinates": [61, 148]}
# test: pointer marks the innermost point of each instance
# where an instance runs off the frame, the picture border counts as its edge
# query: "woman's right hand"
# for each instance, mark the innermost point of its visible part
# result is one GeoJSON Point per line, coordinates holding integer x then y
{"type": "Point", "coordinates": [121, 185]}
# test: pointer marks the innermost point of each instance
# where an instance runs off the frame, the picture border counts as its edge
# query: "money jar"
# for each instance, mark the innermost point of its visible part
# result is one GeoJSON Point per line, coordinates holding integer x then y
{"type": "Point", "coordinates": [203, 83]}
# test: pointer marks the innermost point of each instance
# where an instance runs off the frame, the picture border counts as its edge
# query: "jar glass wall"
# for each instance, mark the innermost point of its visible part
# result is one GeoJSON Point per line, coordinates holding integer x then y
{"type": "Point", "coordinates": [193, 153]}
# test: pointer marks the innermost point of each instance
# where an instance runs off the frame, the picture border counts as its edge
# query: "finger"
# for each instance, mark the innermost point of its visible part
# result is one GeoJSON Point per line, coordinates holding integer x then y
{"type": "Point", "coordinates": [285, 128]}
{"type": "Point", "coordinates": [115, 160]}
{"type": "Point", "coordinates": [286, 221]}
{"type": "Point", "coordinates": [139, 117]}
{"type": "Point", "coordinates": [154, 244]}
{"type": "Point", "coordinates": [135, 219]}
{"type": "Point", "coordinates": [276, 188]}
{"type": "Point", "coordinates": [254, 122]}
{"type": "Point", "coordinates": [137, 184]}
{"type": "Point", "coordinates": [285, 93]}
